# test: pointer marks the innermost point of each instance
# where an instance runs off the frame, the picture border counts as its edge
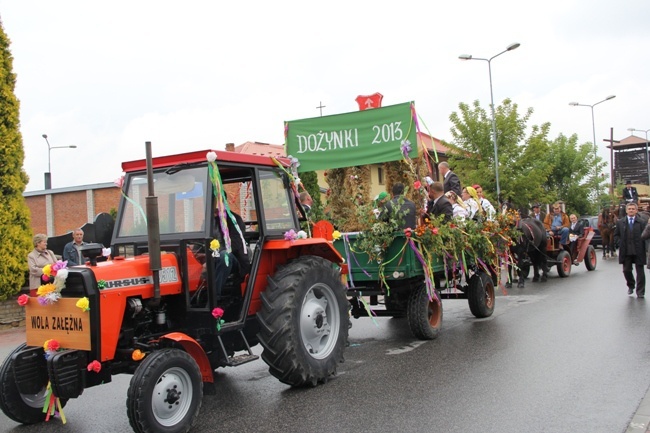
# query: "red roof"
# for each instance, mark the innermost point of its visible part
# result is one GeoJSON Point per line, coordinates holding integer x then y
{"type": "Point", "coordinates": [430, 141]}
{"type": "Point", "coordinates": [631, 142]}
{"type": "Point", "coordinates": [264, 149]}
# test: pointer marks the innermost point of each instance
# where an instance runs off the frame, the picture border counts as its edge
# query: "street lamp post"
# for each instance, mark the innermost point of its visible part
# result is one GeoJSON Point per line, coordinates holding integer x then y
{"type": "Point", "coordinates": [593, 128]}
{"type": "Point", "coordinates": [48, 175]}
{"type": "Point", "coordinates": [494, 122]}
{"type": "Point", "coordinates": [647, 158]}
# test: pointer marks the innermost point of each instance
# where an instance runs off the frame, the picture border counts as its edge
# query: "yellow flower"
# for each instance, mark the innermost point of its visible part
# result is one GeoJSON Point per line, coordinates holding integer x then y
{"type": "Point", "coordinates": [214, 245]}
{"type": "Point", "coordinates": [83, 304]}
{"type": "Point", "coordinates": [47, 270]}
{"type": "Point", "coordinates": [45, 289]}
{"type": "Point", "coordinates": [336, 235]}
{"type": "Point", "coordinates": [45, 345]}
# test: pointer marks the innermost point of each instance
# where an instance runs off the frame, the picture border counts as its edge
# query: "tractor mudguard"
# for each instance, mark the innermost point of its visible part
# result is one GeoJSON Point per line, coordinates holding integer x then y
{"type": "Point", "coordinates": [195, 350]}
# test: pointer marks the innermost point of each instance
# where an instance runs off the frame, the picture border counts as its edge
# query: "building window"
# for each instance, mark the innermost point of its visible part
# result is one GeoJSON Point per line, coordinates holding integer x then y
{"type": "Point", "coordinates": [380, 175]}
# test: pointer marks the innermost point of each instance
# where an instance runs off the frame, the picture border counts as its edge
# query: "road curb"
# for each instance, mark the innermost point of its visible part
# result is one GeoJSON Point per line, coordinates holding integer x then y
{"type": "Point", "coordinates": [641, 420]}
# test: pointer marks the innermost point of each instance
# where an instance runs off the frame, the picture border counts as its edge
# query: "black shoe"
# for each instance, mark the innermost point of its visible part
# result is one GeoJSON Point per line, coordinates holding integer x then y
{"type": "Point", "coordinates": [640, 296]}
{"type": "Point", "coordinates": [630, 291]}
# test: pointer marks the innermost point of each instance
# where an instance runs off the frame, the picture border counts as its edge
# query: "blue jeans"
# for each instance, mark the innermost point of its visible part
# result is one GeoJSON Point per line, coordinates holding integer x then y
{"type": "Point", "coordinates": [563, 233]}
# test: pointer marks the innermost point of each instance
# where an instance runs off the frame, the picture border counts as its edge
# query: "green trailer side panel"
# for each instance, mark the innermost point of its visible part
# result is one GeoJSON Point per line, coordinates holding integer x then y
{"type": "Point", "coordinates": [399, 262]}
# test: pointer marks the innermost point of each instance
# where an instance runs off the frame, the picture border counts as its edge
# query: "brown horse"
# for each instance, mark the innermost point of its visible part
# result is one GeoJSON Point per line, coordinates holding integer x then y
{"type": "Point", "coordinates": [606, 222]}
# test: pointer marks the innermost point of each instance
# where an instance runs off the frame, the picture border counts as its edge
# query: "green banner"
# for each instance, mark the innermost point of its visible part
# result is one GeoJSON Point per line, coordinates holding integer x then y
{"type": "Point", "coordinates": [350, 139]}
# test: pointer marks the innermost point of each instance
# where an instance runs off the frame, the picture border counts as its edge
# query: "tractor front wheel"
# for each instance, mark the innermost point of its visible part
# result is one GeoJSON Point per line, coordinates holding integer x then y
{"type": "Point", "coordinates": [304, 322]}
{"type": "Point", "coordinates": [165, 393]}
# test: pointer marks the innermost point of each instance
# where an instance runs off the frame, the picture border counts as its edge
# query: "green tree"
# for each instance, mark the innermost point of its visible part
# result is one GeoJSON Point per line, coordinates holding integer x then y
{"type": "Point", "coordinates": [309, 180]}
{"type": "Point", "coordinates": [573, 178]}
{"type": "Point", "coordinates": [14, 214]}
{"type": "Point", "coordinates": [523, 167]}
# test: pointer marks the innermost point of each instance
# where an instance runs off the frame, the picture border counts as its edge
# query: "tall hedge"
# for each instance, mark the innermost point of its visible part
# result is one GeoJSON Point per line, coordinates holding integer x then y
{"type": "Point", "coordinates": [15, 229]}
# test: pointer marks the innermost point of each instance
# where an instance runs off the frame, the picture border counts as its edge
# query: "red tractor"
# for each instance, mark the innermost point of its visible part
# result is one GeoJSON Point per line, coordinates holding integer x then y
{"type": "Point", "coordinates": [151, 306]}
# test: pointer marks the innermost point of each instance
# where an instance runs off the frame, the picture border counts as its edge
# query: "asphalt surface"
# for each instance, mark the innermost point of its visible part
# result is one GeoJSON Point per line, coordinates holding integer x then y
{"type": "Point", "coordinates": [568, 356]}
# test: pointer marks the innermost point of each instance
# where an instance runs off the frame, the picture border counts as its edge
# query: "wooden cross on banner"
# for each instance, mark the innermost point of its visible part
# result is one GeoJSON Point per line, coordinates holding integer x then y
{"type": "Point", "coordinates": [611, 142]}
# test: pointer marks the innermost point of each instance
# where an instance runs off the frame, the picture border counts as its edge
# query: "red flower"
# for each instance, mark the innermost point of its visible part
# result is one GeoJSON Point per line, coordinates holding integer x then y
{"type": "Point", "coordinates": [417, 184]}
{"type": "Point", "coordinates": [217, 313]}
{"type": "Point", "coordinates": [53, 345]}
{"type": "Point", "coordinates": [23, 300]}
{"type": "Point", "coordinates": [95, 366]}
{"type": "Point", "coordinates": [407, 232]}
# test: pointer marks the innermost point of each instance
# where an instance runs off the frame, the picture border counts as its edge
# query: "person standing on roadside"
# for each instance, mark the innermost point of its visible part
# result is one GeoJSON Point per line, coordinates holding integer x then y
{"type": "Point", "coordinates": [450, 180]}
{"type": "Point", "coordinates": [36, 260]}
{"type": "Point", "coordinates": [628, 232]}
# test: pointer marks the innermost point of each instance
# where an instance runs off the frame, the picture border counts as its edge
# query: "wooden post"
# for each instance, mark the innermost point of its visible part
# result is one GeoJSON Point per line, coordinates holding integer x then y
{"type": "Point", "coordinates": [611, 142]}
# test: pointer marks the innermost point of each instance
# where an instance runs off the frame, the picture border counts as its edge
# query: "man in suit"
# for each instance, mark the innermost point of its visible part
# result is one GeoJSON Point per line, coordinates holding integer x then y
{"type": "Point", "coordinates": [400, 208]}
{"type": "Point", "coordinates": [438, 203]}
{"type": "Point", "coordinates": [630, 193]}
{"type": "Point", "coordinates": [627, 233]}
{"type": "Point", "coordinates": [449, 178]}
{"type": "Point", "coordinates": [537, 213]}
{"type": "Point", "coordinates": [306, 201]}
{"type": "Point", "coordinates": [576, 230]}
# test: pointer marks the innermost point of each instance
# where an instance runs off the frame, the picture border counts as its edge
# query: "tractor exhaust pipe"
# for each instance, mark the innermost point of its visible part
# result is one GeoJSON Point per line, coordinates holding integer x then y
{"type": "Point", "coordinates": [153, 228]}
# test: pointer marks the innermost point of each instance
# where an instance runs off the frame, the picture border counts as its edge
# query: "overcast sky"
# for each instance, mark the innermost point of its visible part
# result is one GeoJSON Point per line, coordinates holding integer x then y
{"type": "Point", "coordinates": [108, 76]}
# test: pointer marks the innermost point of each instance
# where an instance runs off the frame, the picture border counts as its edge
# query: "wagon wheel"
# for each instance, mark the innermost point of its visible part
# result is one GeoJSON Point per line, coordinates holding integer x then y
{"type": "Point", "coordinates": [590, 258]}
{"type": "Point", "coordinates": [564, 264]}
{"type": "Point", "coordinates": [424, 313]}
{"type": "Point", "coordinates": [481, 295]}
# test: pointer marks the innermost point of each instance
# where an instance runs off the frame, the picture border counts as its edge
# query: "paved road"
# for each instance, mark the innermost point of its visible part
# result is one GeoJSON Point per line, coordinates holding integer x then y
{"type": "Point", "coordinates": [571, 355]}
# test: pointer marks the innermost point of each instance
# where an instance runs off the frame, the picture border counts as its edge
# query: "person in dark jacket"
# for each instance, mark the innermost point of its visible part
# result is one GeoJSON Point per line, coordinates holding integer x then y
{"type": "Point", "coordinates": [576, 230]}
{"type": "Point", "coordinates": [438, 203]}
{"type": "Point", "coordinates": [449, 178]}
{"type": "Point", "coordinates": [406, 212]}
{"type": "Point", "coordinates": [628, 233]}
{"type": "Point", "coordinates": [630, 193]}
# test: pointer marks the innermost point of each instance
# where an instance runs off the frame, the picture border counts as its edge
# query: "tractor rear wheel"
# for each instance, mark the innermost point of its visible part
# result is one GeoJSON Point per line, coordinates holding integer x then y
{"type": "Point", "coordinates": [22, 408]}
{"type": "Point", "coordinates": [165, 393]}
{"type": "Point", "coordinates": [304, 322]}
{"type": "Point", "coordinates": [424, 314]}
{"type": "Point", "coordinates": [481, 295]}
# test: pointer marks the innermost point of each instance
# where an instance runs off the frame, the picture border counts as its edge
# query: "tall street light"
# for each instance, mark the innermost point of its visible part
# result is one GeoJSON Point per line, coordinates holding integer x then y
{"type": "Point", "coordinates": [647, 158]}
{"type": "Point", "coordinates": [48, 175]}
{"type": "Point", "coordinates": [494, 121]}
{"type": "Point", "coordinates": [593, 127]}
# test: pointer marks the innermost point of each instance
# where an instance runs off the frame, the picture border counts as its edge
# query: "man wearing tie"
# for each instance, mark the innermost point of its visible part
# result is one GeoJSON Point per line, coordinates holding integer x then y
{"type": "Point", "coordinates": [628, 232]}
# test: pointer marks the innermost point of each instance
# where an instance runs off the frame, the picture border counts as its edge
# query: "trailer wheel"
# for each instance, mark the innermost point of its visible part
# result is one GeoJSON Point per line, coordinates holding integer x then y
{"type": "Point", "coordinates": [481, 295]}
{"type": "Point", "coordinates": [22, 408]}
{"type": "Point", "coordinates": [591, 258]}
{"type": "Point", "coordinates": [304, 322]}
{"type": "Point", "coordinates": [424, 314]}
{"type": "Point", "coordinates": [165, 393]}
{"type": "Point", "coordinates": [564, 264]}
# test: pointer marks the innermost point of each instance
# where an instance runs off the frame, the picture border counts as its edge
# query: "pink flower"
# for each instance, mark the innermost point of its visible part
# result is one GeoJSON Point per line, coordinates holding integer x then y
{"type": "Point", "coordinates": [58, 266]}
{"type": "Point", "coordinates": [217, 313]}
{"type": "Point", "coordinates": [417, 184]}
{"type": "Point", "coordinates": [23, 300]}
{"type": "Point", "coordinates": [434, 230]}
{"type": "Point", "coordinates": [119, 182]}
{"type": "Point", "coordinates": [407, 232]}
{"type": "Point", "coordinates": [95, 366]}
